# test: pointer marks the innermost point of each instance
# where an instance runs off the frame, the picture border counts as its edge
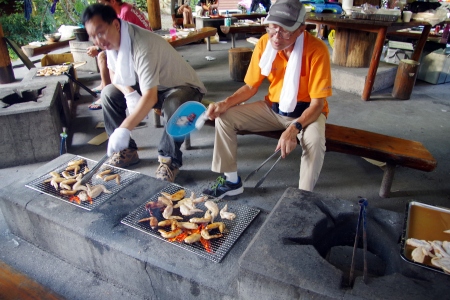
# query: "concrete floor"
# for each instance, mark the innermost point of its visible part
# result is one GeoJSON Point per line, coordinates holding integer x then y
{"type": "Point", "coordinates": [423, 118]}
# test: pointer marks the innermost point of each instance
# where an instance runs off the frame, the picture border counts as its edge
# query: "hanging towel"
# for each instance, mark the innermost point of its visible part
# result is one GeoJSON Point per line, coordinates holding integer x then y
{"type": "Point", "coordinates": [121, 61]}
{"type": "Point", "coordinates": [288, 97]}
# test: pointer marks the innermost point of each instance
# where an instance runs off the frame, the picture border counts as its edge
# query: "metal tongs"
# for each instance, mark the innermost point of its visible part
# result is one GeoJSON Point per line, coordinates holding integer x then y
{"type": "Point", "coordinates": [260, 166]}
{"type": "Point", "coordinates": [91, 173]}
{"type": "Point", "coordinates": [80, 84]}
{"type": "Point", "coordinates": [361, 217]}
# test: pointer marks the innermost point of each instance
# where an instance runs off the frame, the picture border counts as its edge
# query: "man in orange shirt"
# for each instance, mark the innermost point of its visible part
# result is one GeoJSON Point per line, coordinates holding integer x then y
{"type": "Point", "coordinates": [297, 65]}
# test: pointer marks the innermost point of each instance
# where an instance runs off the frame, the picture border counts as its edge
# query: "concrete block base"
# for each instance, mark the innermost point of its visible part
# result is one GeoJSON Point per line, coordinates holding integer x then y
{"type": "Point", "coordinates": [289, 254]}
{"type": "Point", "coordinates": [30, 131]}
{"type": "Point", "coordinates": [352, 80]}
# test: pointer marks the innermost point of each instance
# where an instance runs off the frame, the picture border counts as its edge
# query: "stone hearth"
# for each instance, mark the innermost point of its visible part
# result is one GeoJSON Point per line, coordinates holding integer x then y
{"type": "Point", "coordinates": [302, 249]}
{"type": "Point", "coordinates": [32, 116]}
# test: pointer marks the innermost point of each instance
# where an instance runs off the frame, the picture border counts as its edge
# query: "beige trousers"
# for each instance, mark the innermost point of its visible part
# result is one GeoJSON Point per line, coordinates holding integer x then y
{"type": "Point", "coordinates": [258, 116]}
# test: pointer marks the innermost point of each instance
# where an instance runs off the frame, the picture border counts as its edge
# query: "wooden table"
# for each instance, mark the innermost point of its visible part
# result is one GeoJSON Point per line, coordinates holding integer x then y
{"type": "Point", "coordinates": [205, 32]}
{"type": "Point", "coordinates": [251, 16]}
{"type": "Point", "coordinates": [381, 28]}
{"type": "Point", "coordinates": [416, 35]}
{"type": "Point", "coordinates": [233, 30]}
{"type": "Point", "coordinates": [48, 47]}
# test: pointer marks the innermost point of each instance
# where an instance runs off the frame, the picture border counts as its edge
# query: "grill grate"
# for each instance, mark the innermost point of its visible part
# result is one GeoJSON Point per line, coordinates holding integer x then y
{"type": "Point", "coordinates": [220, 246]}
{"type": "Point", "coordinates": [126, 177]}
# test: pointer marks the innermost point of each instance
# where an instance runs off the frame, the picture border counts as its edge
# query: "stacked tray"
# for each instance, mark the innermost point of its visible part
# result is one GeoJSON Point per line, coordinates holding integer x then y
{"type": "Point", "coordinates": [374, 17]}
{"type": "Point", "coordinates": [424, 222]}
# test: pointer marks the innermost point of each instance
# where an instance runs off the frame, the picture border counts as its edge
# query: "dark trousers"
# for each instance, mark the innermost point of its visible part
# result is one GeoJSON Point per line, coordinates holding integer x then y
{"type": "Point", "coordinates": [114, 112]}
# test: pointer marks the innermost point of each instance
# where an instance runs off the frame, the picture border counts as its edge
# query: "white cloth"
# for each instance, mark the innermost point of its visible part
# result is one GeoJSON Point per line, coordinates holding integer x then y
{"type": "Point", "coordinates": [132, 100]}
{"type": "Point", "coordinates": [291, 82]}
{"type": "Point", "coordinates": [121, 61]}
{"type": "Point", "coordinates": [118, 140]}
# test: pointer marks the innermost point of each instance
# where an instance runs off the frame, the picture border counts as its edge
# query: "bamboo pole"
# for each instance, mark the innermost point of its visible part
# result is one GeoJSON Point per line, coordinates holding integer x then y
{"type": "Point", "coordinates": [6, 70]}
{"type": "Point", "coordinates": [154, 14]}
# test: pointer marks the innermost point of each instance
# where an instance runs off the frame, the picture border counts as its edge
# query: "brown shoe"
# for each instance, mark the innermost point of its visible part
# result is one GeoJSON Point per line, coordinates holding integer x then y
{"type": "Point", "coordinates": [124, 158]}
{"type": "Point", "coordinates": [165, 171]}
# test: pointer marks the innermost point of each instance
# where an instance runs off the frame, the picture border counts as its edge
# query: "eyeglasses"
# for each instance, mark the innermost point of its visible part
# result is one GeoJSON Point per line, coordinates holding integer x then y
{"type": "Point", "coordinates": [100, 35]}
{"type": "Point", "coordinates": [283, 34]}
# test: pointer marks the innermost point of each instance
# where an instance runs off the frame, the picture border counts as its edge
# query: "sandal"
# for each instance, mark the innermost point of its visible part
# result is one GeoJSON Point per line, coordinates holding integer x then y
{"type": "Point", "coordinates": [96, 90]}
{"type": "Point", "coordinates": [95, 106]}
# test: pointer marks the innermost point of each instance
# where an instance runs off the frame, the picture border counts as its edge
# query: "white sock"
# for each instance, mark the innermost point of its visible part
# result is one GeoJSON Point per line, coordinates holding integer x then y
{"type": "Point", "coordinates": [231, 177]}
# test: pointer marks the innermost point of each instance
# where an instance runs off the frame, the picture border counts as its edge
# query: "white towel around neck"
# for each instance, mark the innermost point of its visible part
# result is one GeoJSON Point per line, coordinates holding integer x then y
{"type": "Point", "coordinates": [121, 61]}
{"type": "Point", "coordinates": [291, 82]}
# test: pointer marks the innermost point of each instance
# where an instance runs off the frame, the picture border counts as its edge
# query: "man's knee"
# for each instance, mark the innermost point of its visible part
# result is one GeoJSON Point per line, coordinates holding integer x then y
{"type": "Point", "coordinates": [109, 94]}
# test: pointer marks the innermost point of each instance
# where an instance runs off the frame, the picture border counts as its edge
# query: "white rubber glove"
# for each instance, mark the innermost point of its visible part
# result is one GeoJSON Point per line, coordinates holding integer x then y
{"type": "Point", "coordinates": [118, 140]}
{"type": "Point", "coordinates": [132, 100]}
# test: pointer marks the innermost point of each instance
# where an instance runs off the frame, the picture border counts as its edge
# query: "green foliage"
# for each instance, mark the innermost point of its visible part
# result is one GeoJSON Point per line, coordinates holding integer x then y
{"type": "Point", "coordinates": [68, 12]}
{"type": "Point", "coordinates": [21, 31]}
{"type": "Point", "coordinates": [141, 4]}
{"type": "Point", "coordinates": [17, 28]}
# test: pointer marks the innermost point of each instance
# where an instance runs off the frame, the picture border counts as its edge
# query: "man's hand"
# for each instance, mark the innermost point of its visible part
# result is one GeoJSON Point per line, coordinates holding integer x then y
{"type": "Point", "coordinates": [118, 140]}
{"type": "Point", "coordinates": [92, 51]}
{"type": "Point", "coordinates": [216, 109]}
{"type": "Point", "coordinates": [287, 141]}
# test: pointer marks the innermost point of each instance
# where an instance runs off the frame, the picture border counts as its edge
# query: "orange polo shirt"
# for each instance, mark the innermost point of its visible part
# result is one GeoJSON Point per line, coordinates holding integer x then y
{"type": "Point", "coordinates": [315, 79]}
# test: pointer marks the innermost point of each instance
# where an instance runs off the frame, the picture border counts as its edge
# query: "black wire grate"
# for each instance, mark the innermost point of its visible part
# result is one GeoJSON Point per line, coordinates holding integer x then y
{"type": "Point", "coordinates": [126, 177]}
{"type": "Point", "coordinates": [220, 246]}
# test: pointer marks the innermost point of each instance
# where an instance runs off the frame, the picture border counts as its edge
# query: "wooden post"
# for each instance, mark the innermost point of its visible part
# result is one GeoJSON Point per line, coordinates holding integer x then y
{"type": "Point", "coordinates": [239, 59]}
{"type": "Point", "coordinates": [154, 14]}
{"type": "Point", "coordinates": [6, 70]}
{"type": "Point", "coordinates": [405, 79]}
{"type": "Point", "coordinates": [353, 48]}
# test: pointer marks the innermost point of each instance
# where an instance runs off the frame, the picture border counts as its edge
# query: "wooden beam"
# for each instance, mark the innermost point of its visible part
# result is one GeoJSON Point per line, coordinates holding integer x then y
{"type": "Point", "coordinates": [6, 70]}
{"type": "Point", "coordinates": [154, 14]}
{"type": "Point", "coordinates": [23, 57]}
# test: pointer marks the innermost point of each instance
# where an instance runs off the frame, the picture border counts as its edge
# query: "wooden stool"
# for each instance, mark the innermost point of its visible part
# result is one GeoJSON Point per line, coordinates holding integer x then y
{"type": "Point", "coordinates": [405, 79]}
{"type": "Point", "coordinates": [239, 59]}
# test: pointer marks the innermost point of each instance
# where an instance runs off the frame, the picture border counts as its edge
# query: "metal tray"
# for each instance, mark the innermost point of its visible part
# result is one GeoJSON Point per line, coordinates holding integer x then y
{"type": "Point", "coordinates": [375, 17]}
{"type": "Point", "coordinates": [424, 222]}
{"type": "Point", "coordinates": [126, 177]}
{"type": "Point", "coordinates": [220, 246]}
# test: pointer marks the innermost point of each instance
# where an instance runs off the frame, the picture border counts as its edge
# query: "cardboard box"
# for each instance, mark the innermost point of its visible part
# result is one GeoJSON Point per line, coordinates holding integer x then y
{"type": "Point", "coordinates": [397, 51]}
{"type": "Point", "coordinates": [56, 59]}
{"type": "Point", "coordinates": [435, 67]}
{"type": "Point", "coordinates": [394, 55]}
{"type": "Point", "coordinates": [69, 88]}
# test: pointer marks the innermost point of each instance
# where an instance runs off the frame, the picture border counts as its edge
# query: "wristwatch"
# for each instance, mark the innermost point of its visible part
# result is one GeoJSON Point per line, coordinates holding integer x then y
{"type": "Point", "coordinates": [298, 126]}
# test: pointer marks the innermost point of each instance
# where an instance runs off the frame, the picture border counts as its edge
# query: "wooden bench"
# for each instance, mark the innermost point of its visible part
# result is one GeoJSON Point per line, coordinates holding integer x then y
{"type": "Point", "coordinates": [200, 34]}
{"type": "Point", "coordinates": [46, 48]}
{"type": "Point", "coordinates": [391, 150]}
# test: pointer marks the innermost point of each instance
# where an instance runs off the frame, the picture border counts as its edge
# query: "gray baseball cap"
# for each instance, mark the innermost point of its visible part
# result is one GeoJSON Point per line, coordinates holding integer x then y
{"type": "Point", "coordinates": [289, 14]}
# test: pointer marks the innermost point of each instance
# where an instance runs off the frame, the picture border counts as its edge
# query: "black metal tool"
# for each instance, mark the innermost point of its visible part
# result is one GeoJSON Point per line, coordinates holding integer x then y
{"type": "Point", "coordinates": [91, 173]}
{"type": "Point", "coordinates": [362, 216]}
{"type": "Point", "coordinates": [80, 84]}
{"type": "Point", "coordinates": [260, 166]}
